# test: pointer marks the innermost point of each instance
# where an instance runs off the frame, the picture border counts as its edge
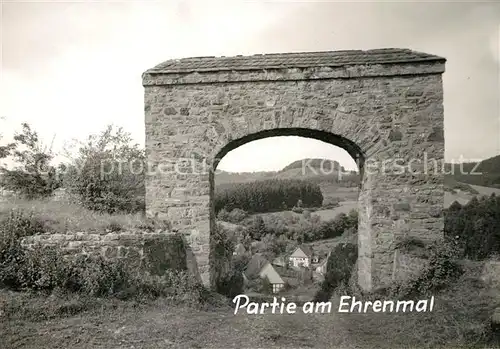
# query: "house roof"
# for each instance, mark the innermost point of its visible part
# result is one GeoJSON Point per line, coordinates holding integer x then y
{"type": "Point", "coordinates": [272, 275]}
{"type": "Point", "coordinates": [305, 248]}
{"type": "Point", "coordinates": [294, 60]}
{"type": "Point", "coordinates": [255, 265]}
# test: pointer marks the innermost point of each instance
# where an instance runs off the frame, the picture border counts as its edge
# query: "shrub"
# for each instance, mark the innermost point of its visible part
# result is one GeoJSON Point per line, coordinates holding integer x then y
{"type": "Point", "coordinates": [13, 227]}
{"type": "Point", "coordinates": [230, 284]}
{"type": "Point", "coordinates": [237, 215]}
{"type": "Point", "coordinates": [222, 243]}
{"type": "Point", "coordinates": [223, 215]}
{"type": "Point", "coordinates": [46, 269]}
{"type": "Point", "coordinates": [441, 268]}
{"type": "Point", "coordinates": [476, 224]}
{"type": "Point", "coordinates": [340, 265]}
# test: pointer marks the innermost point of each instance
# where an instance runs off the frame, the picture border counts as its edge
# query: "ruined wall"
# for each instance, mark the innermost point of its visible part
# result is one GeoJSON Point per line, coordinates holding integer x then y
{"type": "Point", "coordinates": [154, 252]}
{"type": "Point", "coordinates": [384, 112]}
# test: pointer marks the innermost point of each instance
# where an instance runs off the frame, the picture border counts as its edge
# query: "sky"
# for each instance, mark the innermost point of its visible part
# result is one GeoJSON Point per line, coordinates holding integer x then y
{"type": "Point", "coordinates": [71, 68]}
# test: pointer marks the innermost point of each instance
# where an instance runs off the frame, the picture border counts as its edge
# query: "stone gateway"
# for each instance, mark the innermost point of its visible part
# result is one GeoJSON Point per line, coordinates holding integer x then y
{"type": "Point", "coordinates": [384, 107]}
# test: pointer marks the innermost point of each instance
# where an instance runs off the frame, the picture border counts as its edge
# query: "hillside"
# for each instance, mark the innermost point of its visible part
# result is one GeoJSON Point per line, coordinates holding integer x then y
{"type": "Point", "coordinates": [485, 173]}
{"type": "Point", "coordinates": [326, 165]}
{"type": "Point", "coordinates": [317, 170]}
{"type": "Point", "coordinates": [458, 187]}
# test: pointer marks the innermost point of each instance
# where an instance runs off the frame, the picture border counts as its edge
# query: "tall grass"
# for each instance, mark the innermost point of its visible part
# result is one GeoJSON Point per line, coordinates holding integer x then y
{"type": "Point", "coordinates": [61, 217]}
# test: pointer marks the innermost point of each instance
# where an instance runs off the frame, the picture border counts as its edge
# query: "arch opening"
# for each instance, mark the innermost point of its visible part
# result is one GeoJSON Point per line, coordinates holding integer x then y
{"type": "Point", "coordinates": [349, 146]}
{"type": "Point", "coordinates": [339, 199]}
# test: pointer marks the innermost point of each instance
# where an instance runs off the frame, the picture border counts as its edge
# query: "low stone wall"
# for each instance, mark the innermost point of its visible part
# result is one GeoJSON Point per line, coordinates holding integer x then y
{"type": "Point", "coordinates": [153, 252]}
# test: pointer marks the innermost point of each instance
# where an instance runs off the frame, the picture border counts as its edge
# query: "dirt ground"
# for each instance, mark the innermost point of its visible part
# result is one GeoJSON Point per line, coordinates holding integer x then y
{"type": "Point", "coordinates": [164, 326]}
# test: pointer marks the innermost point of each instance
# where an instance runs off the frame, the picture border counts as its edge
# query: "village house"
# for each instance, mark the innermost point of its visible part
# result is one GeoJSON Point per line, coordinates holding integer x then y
{"type": "Point", "coordinates": [301, 257]}
{"type": "Point", "coordinates": [239, 250]}
{"type": "Point", "coordinates": [259, 267]}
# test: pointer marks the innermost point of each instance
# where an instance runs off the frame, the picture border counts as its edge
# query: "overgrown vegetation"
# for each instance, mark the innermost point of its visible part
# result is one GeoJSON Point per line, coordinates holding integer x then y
{"type": "Point", "coordinates": [441, 269]}
{"type": "Point", "coordinates": [339, 266]}
{"type": "Point", "coordinates": [105, 173]}
{"type": "Point", "coordinates": [302, 228]}
{"type": "Point", "coordinates": [45, 269]}
{"type": "Point", "coordinates": [475, 227]}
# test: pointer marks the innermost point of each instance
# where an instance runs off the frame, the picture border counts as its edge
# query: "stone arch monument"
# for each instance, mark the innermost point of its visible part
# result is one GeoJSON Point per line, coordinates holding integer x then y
{"type": "Point", "coordinates": [384, 106]}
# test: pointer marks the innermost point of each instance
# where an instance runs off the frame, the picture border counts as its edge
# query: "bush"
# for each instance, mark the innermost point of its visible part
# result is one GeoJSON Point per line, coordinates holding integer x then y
{"type": "Point", "coordinates": [13, 227]}
{"type": "Point", "coordinates": [223, 215]}
{"type": "Point", "coordinates": [476, 226]}
{"type": "Point", "coordinates": [339, 268]}
{"type": "Point", "coordinates": [46, 269]}
{"type": "Point", "coordinates": [231, 284]}
{"type": "Point", "coordinates": [440, 270]}
{"type": "Point", "coordinates": [222, 244]}
{"type": "Point", "coordinates": [237, 216]}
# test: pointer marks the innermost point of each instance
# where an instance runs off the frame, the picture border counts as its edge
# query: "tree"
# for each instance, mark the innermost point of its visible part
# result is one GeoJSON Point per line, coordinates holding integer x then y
{"type": "Point", "coordinates": [108, 172]}
{"type": "Point", "coordinates": [339, 268]}
{"type": "Point", "coordinates": [257, 230]}
{"type": "Point", "coordinates": [34, 177]}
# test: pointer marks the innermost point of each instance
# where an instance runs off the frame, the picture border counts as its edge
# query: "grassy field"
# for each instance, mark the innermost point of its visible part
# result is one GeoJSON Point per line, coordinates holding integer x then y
{"type": "Point", "coordinates": [62, 217]}
{"type": "Point", "coordinates": [327, 245]}
{"type": "Point", "coordinates": [345, 207]}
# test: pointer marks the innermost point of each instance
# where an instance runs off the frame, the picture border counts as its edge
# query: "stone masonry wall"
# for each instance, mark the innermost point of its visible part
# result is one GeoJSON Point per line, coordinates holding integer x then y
{"type": "Point", "coordinates": [376, 112]}
{"type": "Point", "coordinates": [153, 252]}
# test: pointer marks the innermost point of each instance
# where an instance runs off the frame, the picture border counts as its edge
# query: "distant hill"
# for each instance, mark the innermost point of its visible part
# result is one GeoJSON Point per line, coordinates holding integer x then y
{"type": "Point", "coordinates": [316, 170]}
{"type": "Point", "coordinates": [485, 173]}
{"type": "Point", "coordinates": [324, 164]}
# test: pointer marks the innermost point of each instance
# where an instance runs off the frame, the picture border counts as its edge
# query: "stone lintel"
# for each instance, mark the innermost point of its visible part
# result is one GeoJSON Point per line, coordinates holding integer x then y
{"type": "Point", "coordinates": [152, 78]}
